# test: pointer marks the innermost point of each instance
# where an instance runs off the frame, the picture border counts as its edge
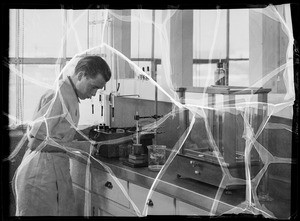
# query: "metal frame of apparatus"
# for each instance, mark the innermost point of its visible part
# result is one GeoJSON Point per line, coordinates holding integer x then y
{"type": "Point", "coordinates": [199, 167]}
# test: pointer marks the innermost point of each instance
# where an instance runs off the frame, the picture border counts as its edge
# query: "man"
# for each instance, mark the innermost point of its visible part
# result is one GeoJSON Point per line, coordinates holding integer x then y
{"type": "Point", "coordinates": [43, 185]}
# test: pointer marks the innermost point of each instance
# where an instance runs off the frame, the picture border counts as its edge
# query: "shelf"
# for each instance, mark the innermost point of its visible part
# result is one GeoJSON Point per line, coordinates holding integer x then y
{"type": "Point", "coordinates": [225, 90]}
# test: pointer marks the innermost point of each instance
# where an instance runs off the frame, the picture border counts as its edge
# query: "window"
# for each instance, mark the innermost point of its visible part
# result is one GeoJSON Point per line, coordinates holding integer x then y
{"type": "Point", "coordinates": [41, 38]}
{"type": "Point", "coordinates": [141, 33]}
{"type": "Point", "coordinates": [76, 42]}
{"type": "Point", "coordinates": [35, 46]}
{"type": "Point", "coordinates": [41, 44]}
{"type": "Point", "coordinates": [220, 35]}
{"type": "Point", "coordinates": [226, 35]}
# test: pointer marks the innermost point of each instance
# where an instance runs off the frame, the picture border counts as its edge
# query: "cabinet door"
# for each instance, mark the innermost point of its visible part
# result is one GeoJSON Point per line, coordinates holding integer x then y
{"type": "Point", "coordinates": [161, 205]}
{"type": "Point", "coordinates": [187, 209]}
{"type": "Point", "coordinates": [102, 206]}
{"type": "Point", "coordinates": [98, 206]}
{"type": "Point", "coordinates": [84, 201]}
{"type": "Point", "coordinates": [158, 204]}
{"type": "Point", "coordinates": [103, 184]}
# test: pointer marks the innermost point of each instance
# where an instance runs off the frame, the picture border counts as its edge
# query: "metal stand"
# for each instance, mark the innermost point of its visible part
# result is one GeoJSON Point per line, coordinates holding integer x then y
{"type": "Point", "coordinates": [224, 128]}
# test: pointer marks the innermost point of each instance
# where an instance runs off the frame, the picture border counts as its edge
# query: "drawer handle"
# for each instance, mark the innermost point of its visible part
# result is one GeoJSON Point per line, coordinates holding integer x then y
{"type": "Point", "coordinates": [108, 185]}
{"type": "Point", "coordinates": [150, 203]}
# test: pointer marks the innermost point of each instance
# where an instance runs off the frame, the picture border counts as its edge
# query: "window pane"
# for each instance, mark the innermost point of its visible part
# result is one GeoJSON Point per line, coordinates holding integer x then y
{"type": "Point", "coordinates": [205, 31]}
{"type": "Point", "coordinates": [12, 92]}
{"type": "Point", "coordinates": [239, 33]}
{"type": "Point", "coordinates": [289, 24]}
{"type": "Point", "coordinates": [239, 73]}
{"type": "Point", "coordinates": [141, 33]}
{"type": "Point", "coordinates": [36, 77]}
{"type": "Point", "coordinates": [43, 32]}
{"type": "Point", "coordinates": [203, 74]}
{"type": "Point", "coordinates": [77, 32]}
{"type": "Point", "coordinates": [96, 25]}
{"type": "Point", "coordinates": [44, 74]}
{"type": "Point", "coordinates": [158, 35]}
{"type": "Point", "coordinates": [12, 32]}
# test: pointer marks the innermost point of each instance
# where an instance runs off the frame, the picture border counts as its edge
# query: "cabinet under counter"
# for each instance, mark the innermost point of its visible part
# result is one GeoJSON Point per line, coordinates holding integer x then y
{"type": "Point", "coordinates": [171, 195]}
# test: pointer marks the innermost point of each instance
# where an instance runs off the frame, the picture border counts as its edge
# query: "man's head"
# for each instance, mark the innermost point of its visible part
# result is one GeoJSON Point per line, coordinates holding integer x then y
{"type": "Point", "coordinates": [91, 74]}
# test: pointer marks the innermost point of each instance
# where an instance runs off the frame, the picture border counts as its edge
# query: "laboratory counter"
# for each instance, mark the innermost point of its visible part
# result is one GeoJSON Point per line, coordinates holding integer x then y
{"type": "Point", "coordinates": [178, 196]}
{"type": "Point", "coordinates": [179, 191]}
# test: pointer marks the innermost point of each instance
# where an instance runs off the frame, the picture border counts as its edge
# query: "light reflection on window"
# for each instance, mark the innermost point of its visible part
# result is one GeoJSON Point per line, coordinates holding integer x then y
{"type": "Point", "coordinates": [239, 33]}
{"type": "Point", "coordinates": [205, 22]}
{"type": "Point", "coordinates": [141, 33]}
{"type": "Point", "coordinates": [38, 75]}
{"type": "Point", "coordinates": [43, 32]}
{"type": "Point", "coordinates": [77, 32]}
{"type": "Point", "coordinates": [239, 73]}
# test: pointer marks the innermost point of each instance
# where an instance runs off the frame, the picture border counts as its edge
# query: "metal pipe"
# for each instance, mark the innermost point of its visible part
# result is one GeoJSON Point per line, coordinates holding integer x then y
{"type": "Point", "coordinates": [17, 64]}
{"type": "Point", "coordinates": [137, 128]}
{"type": "Point", "coordinates": [129, 95]}
{"type": "Point", "coordinates": [153, 67]}
{"type": "Point", "coordinates": [227, 47]}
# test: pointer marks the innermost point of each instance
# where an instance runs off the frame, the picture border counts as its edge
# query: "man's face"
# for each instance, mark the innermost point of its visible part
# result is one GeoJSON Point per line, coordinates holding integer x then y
{"type": "Point", "coordinates": [87, 87]}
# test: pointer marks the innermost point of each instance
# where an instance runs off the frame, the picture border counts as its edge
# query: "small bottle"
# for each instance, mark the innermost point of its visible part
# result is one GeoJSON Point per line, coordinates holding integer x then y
{"type": "Point", "coordinates": [100, 128]}
{"type": "Point", "coordinates": [142, 76]}
{"type": "Point", "coordinates": [148, 72]}
{"type": "Point", "coordinates": [220, 74]}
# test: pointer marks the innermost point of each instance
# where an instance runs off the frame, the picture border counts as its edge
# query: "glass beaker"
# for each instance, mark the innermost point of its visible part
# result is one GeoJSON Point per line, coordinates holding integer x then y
{"type": "Point", "coordinates": [156, 157]}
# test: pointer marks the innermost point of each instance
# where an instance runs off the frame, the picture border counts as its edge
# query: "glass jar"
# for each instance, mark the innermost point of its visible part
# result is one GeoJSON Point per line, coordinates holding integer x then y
{"type": "Point", "coordinates": [156, 157]}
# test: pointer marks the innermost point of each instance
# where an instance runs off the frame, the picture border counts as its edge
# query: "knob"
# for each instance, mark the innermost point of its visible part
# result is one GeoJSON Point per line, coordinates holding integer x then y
{"type": "Point", "coordinates": [108, 185]}
{"type": "Point", "coordinates": [197, 172]}
{"type": "Point", "coordinates": [150, 202]}
{"type": "Point", "coordinates": [192, 163]}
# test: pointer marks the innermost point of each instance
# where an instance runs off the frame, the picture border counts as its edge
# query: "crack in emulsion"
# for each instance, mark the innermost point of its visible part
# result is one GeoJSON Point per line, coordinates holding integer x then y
{"type": "Point", "coordinates": [242, 108]}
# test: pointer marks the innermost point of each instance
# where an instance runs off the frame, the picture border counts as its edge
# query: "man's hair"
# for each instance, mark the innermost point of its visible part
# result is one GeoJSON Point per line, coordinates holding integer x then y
{"type": "Point", "coordinates": [93, 65]}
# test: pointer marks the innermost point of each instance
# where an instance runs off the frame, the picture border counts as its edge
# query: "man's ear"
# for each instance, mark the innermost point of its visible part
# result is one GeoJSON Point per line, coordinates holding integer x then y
{"type": "Point", "coordinates": [80, 75]}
